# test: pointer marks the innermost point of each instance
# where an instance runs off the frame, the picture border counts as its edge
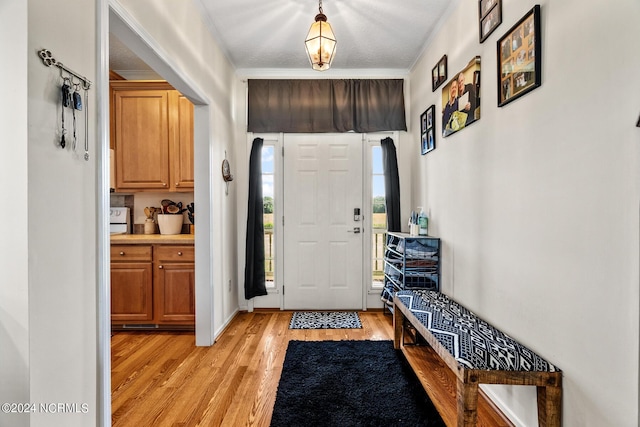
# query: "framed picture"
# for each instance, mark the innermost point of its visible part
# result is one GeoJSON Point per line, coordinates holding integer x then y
{"type": "Point", "coordinates": [489, 17]}
{"type": "Point", "coordinates": [427, 130]}
{"type": "Point", "coordinates": [439, 73]}
{"type": "Point", "coordinates": [461, 99]}
{"type": "Point", "coordinates": [519, 61]}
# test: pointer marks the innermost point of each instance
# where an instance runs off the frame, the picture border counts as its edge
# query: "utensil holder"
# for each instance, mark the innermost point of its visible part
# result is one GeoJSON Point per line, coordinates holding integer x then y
{"type": "Point", "coordinates": [170, 224]}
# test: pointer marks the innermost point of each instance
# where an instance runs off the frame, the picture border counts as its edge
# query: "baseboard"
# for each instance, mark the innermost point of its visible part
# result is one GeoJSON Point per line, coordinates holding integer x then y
{"type": "Point", "coordinates": [225, 325]}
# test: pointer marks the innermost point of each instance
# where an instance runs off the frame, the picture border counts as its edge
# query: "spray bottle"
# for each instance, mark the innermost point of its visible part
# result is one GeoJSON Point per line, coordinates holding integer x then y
{"type": "Point", "coordinates": [423, 222]}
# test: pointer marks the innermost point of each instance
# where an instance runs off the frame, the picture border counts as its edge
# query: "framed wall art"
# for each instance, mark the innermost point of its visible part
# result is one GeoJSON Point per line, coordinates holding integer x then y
{"type": "Point", "coordinates": [489, 17]}
{"type": "Point", "coordinates": [461, 99]}
{"type": "Point", "coordinates": [428, 130]}
{"type": "Point", "coordinates": [519, 58]}
{"type": "Point", "coordinates": [439, 73]}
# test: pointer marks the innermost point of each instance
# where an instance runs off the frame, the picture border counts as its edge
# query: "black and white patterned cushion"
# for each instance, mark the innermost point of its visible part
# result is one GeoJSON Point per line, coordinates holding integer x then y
{"type": "Point", "coordinates": [473, 342]}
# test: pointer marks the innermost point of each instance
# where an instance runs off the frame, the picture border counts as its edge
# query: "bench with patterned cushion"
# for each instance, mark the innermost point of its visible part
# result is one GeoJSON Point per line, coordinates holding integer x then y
{"type": "Point", "coordinates": [477, 352]}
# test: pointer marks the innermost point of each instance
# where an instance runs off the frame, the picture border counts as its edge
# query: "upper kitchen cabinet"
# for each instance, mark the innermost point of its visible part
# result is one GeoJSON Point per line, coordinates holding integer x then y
{"type": "Point", "coordinates": [183, 151]}
{"type": "Point", "coordinates": [152, 132]}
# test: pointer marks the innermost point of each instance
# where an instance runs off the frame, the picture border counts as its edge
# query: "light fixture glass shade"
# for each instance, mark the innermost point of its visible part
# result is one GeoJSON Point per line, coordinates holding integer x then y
{"type": "Point", "coordinates": [320, 44]}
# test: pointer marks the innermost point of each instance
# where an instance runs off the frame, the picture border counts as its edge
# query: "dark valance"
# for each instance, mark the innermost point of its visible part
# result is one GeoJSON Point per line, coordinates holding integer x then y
{"type": "Point", "coordinates": [323, 105]}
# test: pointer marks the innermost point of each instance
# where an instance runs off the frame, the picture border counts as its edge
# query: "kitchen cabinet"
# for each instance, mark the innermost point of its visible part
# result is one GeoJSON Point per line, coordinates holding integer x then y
{"type": "Point", "coordinates": [173, 284]}
{"type": "Point", "coordinates": [131, 283]}
{"type": "Point", "coordinates": [153, 286]}
{"type": "Point", "coordinates": [152, 136]}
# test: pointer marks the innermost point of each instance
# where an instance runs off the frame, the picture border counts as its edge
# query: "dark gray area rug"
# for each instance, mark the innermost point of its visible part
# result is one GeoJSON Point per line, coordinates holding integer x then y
{"type": "Point", "coordinates": [350, 384]}
{"type": "Point", "coordinates": [325, 320]}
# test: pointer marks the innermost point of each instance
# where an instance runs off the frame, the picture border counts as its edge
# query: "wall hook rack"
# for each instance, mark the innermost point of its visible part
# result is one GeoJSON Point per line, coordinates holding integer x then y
{"type": "Point", "coordinates": [49, 60]}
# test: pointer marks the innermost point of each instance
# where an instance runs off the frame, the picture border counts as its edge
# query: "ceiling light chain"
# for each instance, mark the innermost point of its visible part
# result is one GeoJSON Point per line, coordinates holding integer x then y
{"type": "Point", "coordinates": [320, 42]}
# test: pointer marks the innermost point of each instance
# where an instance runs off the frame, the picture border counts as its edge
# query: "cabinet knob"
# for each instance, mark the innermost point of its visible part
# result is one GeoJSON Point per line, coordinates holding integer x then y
{"type": "Point", "coordinates": [177, 184]}
{"type": "Point", "coordinates": [164, 184]}
{"type": "Point", "coordinates": [160, 266]}
{"type": "Point", "coordinates": [121, 253]}
{"type": "Point", "coordinates": [179, 253]}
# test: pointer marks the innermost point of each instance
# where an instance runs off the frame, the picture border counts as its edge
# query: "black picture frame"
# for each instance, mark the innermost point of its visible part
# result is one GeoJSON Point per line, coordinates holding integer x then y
{"type": "Point", "coordinates": [439, 73]}
{"type": "Point", "coordinates": [428, 130]}
{"type": "Point", "coordinates": [520, 58]}
{"type": "Point", "coordinates": [489, 17]}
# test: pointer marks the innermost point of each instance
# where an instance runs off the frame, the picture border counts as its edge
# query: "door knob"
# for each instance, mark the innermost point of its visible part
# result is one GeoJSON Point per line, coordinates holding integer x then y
{"type": "Point", "coordinates": [356, 230]}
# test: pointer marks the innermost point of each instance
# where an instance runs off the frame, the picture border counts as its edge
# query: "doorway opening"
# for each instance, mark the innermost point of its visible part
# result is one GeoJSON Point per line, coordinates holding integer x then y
{"type": "Point", "coordinates": [113, 18]}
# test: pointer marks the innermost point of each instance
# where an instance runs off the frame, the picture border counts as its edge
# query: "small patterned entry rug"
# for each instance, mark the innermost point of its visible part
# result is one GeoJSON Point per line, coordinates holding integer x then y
{"type": "Point", "coordinates": [325, 320]}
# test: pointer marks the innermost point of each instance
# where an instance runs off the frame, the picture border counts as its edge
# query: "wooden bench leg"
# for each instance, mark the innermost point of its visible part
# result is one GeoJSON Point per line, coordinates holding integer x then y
{"type": "Point", "coordinates": [467, 403]}
{"type": "Point", "coordinates": [549, 406]}
{"type": "Point", "coordinates": [398, 327]}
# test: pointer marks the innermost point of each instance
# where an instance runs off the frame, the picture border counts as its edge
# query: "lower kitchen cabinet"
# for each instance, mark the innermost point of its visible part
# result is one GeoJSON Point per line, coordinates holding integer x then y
{"type": "Point", "coordinates": [173, 284]}
{"type": "Point", "coordinates": [131, 291]}
{"type": "Point", "coordinates": [152, 286]}
{"type": "Point", "coordinates": [131, 283]}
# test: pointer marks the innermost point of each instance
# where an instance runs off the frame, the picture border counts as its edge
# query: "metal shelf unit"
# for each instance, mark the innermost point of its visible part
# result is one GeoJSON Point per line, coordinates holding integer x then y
{"type": "Point", "coordinates": [410, 262]}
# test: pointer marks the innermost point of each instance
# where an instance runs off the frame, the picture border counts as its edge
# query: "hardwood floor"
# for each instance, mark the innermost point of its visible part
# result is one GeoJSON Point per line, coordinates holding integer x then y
{"type": "Point", "coordinates": [163, 379]}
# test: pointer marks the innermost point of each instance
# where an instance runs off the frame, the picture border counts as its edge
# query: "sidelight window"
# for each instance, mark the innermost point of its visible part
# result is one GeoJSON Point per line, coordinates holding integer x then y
{"type": "Point", "coordinates": [268, 203]}
{"type": "Point", "coordinates": [379, 217]}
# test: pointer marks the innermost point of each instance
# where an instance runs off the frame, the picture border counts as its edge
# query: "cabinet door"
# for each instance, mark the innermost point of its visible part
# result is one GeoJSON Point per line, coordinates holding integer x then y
{"type": "Point", "coordinates": [174, 293]}
{"type": "Point", "coordinates": [141, 139]}
{"type": "Point", "coordinates": [131, 292]}
{"type": "Point", "coordinates": [182, 152]}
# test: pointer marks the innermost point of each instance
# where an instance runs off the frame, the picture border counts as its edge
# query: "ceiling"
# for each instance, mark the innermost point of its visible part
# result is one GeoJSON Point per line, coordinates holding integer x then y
{"type": "Point", "coordinates": [256, 36]}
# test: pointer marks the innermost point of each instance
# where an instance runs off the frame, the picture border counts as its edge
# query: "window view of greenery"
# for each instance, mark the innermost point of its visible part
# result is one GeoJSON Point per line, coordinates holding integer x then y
{"type": "Point", "coordinates": [268, 171]}
{"type": "Point", "coordinates": [379, 220]}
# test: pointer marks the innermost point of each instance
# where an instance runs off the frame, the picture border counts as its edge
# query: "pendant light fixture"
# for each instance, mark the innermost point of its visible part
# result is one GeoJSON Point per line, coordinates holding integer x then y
{"type": "Point", "coordinates": [320, 42]}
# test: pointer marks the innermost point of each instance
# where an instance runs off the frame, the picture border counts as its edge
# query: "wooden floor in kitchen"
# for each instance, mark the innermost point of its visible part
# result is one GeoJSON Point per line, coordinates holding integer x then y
{"type": "Point", "coordinates": [163, 379]}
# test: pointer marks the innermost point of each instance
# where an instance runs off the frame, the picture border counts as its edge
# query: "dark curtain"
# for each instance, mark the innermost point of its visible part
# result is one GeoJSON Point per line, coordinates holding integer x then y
{"type": "Point", "coordinates": [254, 275]}
{"type": "Point", "coordinates": [391, 184]}
{"type": "Point", "coordinates": [326, 105]}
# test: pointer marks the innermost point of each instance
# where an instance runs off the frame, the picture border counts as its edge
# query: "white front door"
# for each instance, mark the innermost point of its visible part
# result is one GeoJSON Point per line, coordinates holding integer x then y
{"type": "Point", "coordinates": [322, 240]}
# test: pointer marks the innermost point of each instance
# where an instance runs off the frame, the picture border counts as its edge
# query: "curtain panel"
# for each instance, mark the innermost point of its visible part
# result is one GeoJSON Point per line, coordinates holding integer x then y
{"type": "Point", "coordinates": [254, 274]}
{"type": "Point", "coordinates": [391, 184]}
{"type": "Point", "coordinates": [326, 105]}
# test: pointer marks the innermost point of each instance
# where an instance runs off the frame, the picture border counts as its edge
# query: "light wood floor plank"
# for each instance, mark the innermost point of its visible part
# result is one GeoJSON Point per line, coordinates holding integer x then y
{"type": "Point", "coordinates": [163, 379]}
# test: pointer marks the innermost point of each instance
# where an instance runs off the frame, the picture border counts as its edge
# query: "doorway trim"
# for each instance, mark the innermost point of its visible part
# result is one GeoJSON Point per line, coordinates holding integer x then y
{"type": "Point", "coordinates": [113, 17]}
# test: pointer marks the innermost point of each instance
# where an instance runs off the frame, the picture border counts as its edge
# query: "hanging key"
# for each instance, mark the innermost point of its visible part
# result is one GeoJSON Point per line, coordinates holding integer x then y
{"type": "Point", "coordinates": [66, 93]}
{"type": "Point", "coordinates": [77, 99]}
{"type": "Point", "coordinates": [77, 105]}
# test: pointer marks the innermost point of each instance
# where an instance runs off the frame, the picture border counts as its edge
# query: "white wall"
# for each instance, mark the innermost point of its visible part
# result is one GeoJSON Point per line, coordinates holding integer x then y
{"type": "Point", "coordinates": [537, 202]}
{"type": "Point", "coordinates": [186, 41]}
{"type": "Point", "coordinates": [61, 236]}
{"type": "Point", "coordinates": [14, 286]}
